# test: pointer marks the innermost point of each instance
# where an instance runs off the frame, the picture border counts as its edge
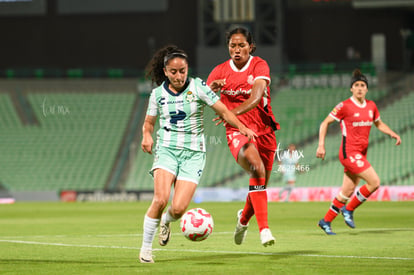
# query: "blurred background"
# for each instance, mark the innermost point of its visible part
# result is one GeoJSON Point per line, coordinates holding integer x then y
{"type": "Point", "coordinates": [73, 94]}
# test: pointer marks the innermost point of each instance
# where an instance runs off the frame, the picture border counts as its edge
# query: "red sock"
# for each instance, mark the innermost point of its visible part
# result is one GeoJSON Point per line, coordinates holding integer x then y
{"type": "Point", "coordinates": [361, 195]}
{"type": "Point", "coordinates": [258, 198]}
{"type": "Point", "coordinates": [333, 210]}
{"type": "Point", "coordinates": [248, 211]}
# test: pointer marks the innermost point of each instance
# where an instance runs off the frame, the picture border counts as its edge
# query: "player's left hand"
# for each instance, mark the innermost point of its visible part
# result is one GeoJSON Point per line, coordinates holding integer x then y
{"type": "Point", "coordinates": [320, 152]}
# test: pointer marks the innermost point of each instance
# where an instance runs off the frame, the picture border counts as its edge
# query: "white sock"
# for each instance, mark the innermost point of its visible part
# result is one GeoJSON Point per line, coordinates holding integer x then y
{"type": "Point", "coordinates": [166, 218]}
{"type": "Point", "coordinates": [150, 228]}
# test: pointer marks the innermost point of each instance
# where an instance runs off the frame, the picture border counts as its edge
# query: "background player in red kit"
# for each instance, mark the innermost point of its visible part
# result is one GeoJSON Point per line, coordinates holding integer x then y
{"type": "Point", "coordinates": [243, 82]}
{"type": "Point", "coordinates": [356, 116]}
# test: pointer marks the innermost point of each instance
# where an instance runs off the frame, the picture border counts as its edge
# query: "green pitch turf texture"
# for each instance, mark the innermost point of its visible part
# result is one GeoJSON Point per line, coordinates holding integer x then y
{"type": "Point", "coordinates": [104, 238]}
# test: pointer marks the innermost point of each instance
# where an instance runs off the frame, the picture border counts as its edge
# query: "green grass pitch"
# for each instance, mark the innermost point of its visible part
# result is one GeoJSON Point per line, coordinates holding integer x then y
{"type": "Point", "coordinates": [104, 238]}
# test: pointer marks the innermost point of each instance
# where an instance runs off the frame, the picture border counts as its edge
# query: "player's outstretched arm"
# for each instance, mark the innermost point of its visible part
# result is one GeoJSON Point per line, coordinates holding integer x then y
{"type": "Point", "coordinates": [230, 118]}
{"type": "Point", "coordinates": [323, 130]}
{"type": "Point", "coordinates": [387, 130]}
{"type": "Point", "coordinates": [147, 130]}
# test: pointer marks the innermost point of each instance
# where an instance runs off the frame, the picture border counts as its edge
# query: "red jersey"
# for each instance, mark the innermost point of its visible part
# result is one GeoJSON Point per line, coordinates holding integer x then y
{"type": "Point", "coordinates": [238, 88]}
{"type": "Point", "coordinates": [356, 121]}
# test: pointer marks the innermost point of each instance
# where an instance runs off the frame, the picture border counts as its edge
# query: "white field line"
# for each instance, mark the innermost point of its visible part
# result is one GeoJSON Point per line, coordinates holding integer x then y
{"type": "Point", "coordinates": [178, 233]}
{"type": "Point", "coordinates": [209, 251]}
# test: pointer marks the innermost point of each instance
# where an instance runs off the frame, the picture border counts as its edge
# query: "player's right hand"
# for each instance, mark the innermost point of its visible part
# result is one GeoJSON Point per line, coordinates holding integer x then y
{"type": "Point", "coordinates": [217, 84]}
{"type": "Point", "coordinates": [146, 145]}
{"type": "Point", "coordinates": [248, 133]}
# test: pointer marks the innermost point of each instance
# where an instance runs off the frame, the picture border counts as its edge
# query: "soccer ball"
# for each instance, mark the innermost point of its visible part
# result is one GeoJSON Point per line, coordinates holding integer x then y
{"type": "Point", "coordinates": [197, 224]}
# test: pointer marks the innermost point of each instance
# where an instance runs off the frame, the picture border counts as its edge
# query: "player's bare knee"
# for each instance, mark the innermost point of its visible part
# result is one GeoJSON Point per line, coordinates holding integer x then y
{"type": "Point", "coordinates": [159, 203]}
{"type": "Point", "coordinates": [177, 212]}
{"type": "Point", "coordinates": [257, 170]}
{"type": "Point", "coordinates": [374, 184]}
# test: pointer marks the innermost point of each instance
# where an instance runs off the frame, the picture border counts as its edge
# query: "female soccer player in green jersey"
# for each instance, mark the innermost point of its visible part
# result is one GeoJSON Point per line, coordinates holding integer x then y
{"type": "Point", "coordinates": [180, 152]}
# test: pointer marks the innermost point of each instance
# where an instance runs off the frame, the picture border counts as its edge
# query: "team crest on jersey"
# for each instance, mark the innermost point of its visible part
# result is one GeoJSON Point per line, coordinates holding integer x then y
{"type": "Point", "coordinates": [190, 97]}
{"type": "Point", "coordinates": [371, 114]}
{"type": "Point", "coordinates": [250, 79]}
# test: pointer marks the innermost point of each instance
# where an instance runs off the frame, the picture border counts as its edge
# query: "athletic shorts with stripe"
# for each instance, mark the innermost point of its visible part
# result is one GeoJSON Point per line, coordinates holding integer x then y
{"type": "Point", "coordinates": [265, 144]}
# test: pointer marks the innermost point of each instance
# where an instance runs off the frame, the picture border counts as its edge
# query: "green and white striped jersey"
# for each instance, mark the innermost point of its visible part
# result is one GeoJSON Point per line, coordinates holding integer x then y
{"type": "Point", "coordinates": [181, 115]}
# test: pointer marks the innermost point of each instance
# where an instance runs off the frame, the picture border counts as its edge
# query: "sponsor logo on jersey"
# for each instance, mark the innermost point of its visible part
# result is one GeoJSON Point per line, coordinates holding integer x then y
{"type": "Point", "coordinates": [337, 108]}
{"type": "Point", "coordinates": [361, 123]}
{"type": "Point", "coordinates": [237, 92]}
{"type": "Point", "coordinates": [174, 102]}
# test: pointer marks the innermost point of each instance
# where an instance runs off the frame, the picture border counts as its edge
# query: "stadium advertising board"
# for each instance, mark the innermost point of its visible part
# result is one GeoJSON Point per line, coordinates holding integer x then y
{"type": "Point", "coordinates": [101, 196]}
{"type": "Point", "coordinates": [384, 193]}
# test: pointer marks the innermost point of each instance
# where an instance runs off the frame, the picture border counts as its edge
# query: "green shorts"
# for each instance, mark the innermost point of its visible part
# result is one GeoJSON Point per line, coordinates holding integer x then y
{"type": "Point", "coordinates": [184, 164]}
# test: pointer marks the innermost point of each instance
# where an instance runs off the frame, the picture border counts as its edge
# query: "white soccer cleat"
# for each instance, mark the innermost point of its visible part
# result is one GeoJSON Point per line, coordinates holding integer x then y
{"type": "Point", "coordinates": [165, 234]}
{"type": "Point", "coordinates": [266, 237]}
{"type": "Point", "coordinates": [241, 230]}
{"type": "Point", "coordinates": [145, 256]}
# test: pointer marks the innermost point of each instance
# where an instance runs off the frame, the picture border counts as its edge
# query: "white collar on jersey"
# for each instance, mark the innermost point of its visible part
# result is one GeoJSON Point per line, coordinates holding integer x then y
{"type": "Point", "coordinates": [359, 104]}
{"type": "Point", "coordinates": [244, 67]}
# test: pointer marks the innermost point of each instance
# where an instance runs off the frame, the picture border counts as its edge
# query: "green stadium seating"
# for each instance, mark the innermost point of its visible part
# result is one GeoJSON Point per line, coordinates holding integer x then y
{"type": "Point", "coordinates": [79, 134]}
{"type": "Point", "coordinates": [73, 147]}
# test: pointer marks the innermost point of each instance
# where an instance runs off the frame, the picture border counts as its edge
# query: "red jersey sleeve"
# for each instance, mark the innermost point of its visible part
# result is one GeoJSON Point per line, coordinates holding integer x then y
{"type": "Point", "coordinates": [338, 112]}
{"type": "Point", "coordinates": [262, 71]}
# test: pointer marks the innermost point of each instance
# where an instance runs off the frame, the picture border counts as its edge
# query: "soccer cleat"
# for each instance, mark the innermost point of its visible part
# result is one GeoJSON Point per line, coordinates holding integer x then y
{"type": "Point", "coordinates": [326, 227]}
{"type": "Point", "coordinates": [165, 234]}
{"type": "Point", "coordinates": [145, 256]}
{"type": "Point", "coordinates": [241, 230]}
{"type": "Point", "coordinates": [348, 217]}
{"type": "Point", "coordinates": [266, 237]}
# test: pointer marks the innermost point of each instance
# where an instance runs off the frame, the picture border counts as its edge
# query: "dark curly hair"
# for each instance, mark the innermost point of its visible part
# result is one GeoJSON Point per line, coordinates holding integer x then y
{"type": "Point", "coordinates": [243, 31]}
{"type": "Point", "coordinates": [155, 68]}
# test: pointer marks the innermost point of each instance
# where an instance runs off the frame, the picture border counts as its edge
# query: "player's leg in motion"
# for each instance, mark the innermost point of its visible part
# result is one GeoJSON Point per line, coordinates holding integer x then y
{"type": "Point", "coordinates": [183, 193]}
{"type": "Point", "coordinates": [256, 202]}
{"type": "Point", "coordinates": [289, 189]}
{"type": "Point", "coordinates": [162, 186]}
{"type": "Point", "coordinates": [372, 184]}
{"type": "Point", "coordinates": [150, 227]}
{"type": "Point", "coordinates": [350, 181]}
{"type": "Point", "coordinates": [165, 227]}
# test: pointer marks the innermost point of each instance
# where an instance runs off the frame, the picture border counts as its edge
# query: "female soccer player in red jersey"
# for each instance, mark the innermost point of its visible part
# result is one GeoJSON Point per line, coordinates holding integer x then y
{"type": "Point", "coordinates": [243, 82]}
{"type": "Point", "coordinates": [356, 116]}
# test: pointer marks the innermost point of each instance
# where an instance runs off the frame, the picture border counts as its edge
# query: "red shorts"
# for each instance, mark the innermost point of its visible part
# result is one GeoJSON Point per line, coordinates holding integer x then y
{"type": "Point", "coordinates": [355, 162]}
{"type": "Point", "coordinates": [265, 145]}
